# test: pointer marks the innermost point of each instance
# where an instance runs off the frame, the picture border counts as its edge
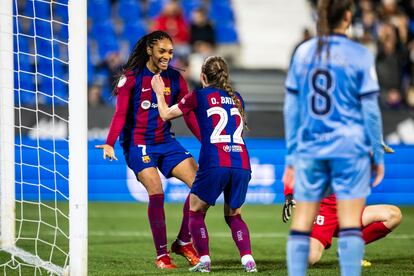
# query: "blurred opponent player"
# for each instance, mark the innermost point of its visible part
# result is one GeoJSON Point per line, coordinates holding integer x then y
{"type": "Point", "coordinates": [332, 123]}
{"type": "Point", "coordinates": [377, 222]}
{"type": "Point", "coordinates": [147, 140]}
{"type": "Point", "coordinates": [224, 160]}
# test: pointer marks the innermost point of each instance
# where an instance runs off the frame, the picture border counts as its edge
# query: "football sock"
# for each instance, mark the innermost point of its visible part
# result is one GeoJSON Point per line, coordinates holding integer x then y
{"type": "Point", "coordinates": [240, 234]}
{"type": "Point", "coordinates": [199, 232]}
{"type": "Point", "coordinates": [247, 258]}
{"type": "Point", "coordinates": [156, 218]}
{"type": "Point", "coordinates": [351, 251]}
{"type": "Point", "coordinates": [184, 234]}
{"type": "Point", "coordinates": [374, 231]}
{"type": "Point", "coordinates": [297, 250]}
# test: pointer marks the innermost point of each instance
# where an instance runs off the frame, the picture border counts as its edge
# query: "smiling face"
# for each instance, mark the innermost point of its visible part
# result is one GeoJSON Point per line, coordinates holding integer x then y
{"type": "Point", "coordinates": [160, 55]}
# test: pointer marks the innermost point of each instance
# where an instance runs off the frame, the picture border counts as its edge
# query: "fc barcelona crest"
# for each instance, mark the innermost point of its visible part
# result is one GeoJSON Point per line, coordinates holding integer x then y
{"type": "Point", "coordinates": [146, 159]}
{"type": "Point", "coordinates": [167, 91]}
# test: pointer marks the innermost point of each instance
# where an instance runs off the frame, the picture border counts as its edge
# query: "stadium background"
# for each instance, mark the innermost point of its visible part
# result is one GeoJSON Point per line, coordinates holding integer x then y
{"type": "Point", "coordinates": [257, 40]}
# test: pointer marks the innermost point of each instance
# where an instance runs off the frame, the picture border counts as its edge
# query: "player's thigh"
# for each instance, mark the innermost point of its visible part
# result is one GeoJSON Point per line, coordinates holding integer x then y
{"type": "Point", "coordinates": [351, 177]}
{"type": "Point", "coordinates": [176, 161]}
{"type": "Point", "coordinates": [151, 180]}
{"type": "Point", "coordinates": [236, 189]}
{"type": "Point", "coordinates": [350, 212]}
{"type": "Point", "coordinates": [186, 171]}
{"type": "Point", "coordinates": [390, 215]}
{"type": "Point", "coordinates": [312, 178]}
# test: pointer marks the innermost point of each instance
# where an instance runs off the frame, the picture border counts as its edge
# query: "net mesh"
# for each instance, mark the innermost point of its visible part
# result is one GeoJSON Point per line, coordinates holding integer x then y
{"type": "Point", "coordinates": [41, 139]}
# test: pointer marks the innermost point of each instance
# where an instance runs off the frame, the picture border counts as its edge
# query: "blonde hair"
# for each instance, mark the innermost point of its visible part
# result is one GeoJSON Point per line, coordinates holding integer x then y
{"type": "Point", "coordinates": [216, 71]}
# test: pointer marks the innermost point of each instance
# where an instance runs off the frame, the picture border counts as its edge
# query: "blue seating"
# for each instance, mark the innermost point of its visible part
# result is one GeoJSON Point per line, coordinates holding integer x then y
{"type": "Point", "coordinates": [99, 9]}
{"type": "Point", "coordinates": [189, 6]}
{"type": "Point", "coordinates": [155, 7]}
{"type": "Point", "coordinates": [133, 31]}
{"type": "Point", "coordinates": [129, 10]}
{"type": "Point", "coordinates": [103, 32]}
{"type": "Point", "coordinates": [226, 33]}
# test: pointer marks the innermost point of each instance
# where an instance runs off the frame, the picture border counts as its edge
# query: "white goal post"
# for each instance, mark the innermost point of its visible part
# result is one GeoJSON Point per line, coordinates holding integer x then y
{"type": "Point", "coordinates": [68, 220]}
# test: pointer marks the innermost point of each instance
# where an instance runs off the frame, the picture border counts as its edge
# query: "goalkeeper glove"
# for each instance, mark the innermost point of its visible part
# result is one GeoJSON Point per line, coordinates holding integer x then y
{"type": "Point", "coordinates": [287, 207]}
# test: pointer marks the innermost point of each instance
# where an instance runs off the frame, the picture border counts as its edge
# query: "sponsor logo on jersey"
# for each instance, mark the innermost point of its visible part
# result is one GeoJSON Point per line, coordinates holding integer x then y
{"type": "Point", "coordinates": [233, 148]}
{"type": "Point", "coordinates": [167, 91]}
{"type": "Point", "coordinates": [146, 159]}
{"type": "Point", "coordinates": [122, 81]}
{"type": "Point", "coordinates": [146, 104]}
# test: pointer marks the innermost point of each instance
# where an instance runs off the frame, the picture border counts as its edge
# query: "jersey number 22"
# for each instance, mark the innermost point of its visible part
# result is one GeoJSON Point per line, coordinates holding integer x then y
{"type": "Point", "coordinates": [216, 136]}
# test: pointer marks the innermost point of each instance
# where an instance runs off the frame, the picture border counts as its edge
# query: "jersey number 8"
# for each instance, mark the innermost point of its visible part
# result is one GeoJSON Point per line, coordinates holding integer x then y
{"type": "Point", "coordinates": [216, 136]}
{"type": "Point", "coordinates": [322, 86]}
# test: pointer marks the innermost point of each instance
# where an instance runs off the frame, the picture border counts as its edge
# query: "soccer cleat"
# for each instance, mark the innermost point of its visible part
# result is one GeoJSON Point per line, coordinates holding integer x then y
{"type": "Point", "coordinates": [187, 251]}
{"type": "Point", "coordinates": [250, 266]}
{"type": "Point", "coordinates": [201, 267]}
{"type": "Point", "coordinates": [164, 262]}
{"type": "Point", "coordinates": [365, 263]}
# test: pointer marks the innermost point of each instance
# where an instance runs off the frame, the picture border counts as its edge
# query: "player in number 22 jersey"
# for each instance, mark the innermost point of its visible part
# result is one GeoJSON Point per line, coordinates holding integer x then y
{"type": "Point", "coordinates": [224, 161]}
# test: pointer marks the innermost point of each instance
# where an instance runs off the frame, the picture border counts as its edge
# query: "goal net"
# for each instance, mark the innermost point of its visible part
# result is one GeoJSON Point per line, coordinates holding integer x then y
{"type": "Point", "coordinates": [43, 137]}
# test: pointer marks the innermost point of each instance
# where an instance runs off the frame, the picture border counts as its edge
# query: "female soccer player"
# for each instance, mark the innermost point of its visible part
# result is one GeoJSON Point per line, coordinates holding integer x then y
{"type": "Point", "coordinates": [224, 160]}
{"type": "Point", "coordinates": [332, 123]}
{"type": "Point", "coordinates": [377, 221]}
{"type": "Point", "coordinates": [146, 139]}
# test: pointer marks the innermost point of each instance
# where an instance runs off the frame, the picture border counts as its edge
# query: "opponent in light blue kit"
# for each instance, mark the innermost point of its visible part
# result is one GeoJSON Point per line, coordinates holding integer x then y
{"type": "Point", "coordinates": [333, 126]}
{"type": "Point", "coordinates": [224, 160]}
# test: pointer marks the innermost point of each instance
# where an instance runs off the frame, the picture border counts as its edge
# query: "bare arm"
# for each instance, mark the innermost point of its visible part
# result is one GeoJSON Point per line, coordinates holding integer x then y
{"type": "Point", "coordinates": [166, 112]}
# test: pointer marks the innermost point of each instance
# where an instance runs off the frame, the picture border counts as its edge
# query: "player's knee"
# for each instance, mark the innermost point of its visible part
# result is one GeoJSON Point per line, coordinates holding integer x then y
{"type": "Point", "coordinates": [314, 257]}
{"type": "Point", "coordinates": [394, 217]}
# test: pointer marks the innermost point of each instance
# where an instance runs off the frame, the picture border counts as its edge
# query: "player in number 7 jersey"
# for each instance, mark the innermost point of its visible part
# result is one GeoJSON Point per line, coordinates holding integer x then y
{"type": "Point", "coordinates": [224, 164]}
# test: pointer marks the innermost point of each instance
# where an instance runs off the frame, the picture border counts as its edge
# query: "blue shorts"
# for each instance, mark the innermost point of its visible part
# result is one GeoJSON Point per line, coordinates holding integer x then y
{"type": "Point", "coordinates": [209, 184]}
{"type": "Point", "coordinates": [347, 178]}
{"type": "Point", "coordinates": [164, 156]}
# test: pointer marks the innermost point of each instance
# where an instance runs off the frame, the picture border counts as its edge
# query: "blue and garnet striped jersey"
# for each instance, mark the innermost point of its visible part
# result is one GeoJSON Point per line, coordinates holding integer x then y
{"type": "Point", "coordinates": [136, 119]}
{"type": "Point", "coordinates": [221, 127]}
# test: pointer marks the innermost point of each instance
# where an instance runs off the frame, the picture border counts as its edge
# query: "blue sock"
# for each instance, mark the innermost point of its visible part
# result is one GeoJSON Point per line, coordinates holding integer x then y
{"type": "Point", "coordinates": [351, 251]}
{"type": "Point", "coordinates": [297, 250]}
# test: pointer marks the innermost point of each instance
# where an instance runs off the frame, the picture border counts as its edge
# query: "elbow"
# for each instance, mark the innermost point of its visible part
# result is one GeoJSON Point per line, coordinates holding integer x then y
{"type": "Point", "coordinates": [163, 117]}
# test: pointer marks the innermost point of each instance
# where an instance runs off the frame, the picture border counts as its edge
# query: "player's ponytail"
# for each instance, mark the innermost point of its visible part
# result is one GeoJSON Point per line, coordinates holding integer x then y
{"type": "Point", "coordinates": [330, 15]}
{"type": "Point", "coordinates": [139, 55]}
{"type": "Point", "coordinates": [217, 73]}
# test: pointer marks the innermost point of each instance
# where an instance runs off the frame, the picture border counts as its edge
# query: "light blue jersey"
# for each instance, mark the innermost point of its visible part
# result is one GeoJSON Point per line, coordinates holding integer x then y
{"type": "Point", "coordinates": [324, 94]}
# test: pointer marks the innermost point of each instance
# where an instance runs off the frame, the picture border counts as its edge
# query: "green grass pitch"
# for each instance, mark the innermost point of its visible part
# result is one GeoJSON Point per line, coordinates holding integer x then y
{"type": "Point", "coordinates": [120, 243]}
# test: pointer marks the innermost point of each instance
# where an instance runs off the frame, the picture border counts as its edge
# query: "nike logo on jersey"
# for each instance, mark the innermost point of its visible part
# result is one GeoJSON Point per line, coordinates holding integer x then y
{"type": "Point", "coordinates": [187, 152]}
{"type": "Point", "coordinates": [146, 89]}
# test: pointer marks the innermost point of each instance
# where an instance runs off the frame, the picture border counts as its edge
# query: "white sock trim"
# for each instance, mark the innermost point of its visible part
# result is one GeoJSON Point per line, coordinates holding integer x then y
{"type": "Point", "coordinates": [246, 258]}
{"type": "Point", "coordinates": [205, 259]}
{"type": "Point", "coordinates": [158, 257]}
{"type": "Point", "coordinates": [181, 243]}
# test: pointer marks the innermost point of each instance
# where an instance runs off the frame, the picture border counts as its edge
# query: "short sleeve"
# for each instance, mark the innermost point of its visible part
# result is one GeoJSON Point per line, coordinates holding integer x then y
{"type": "Point", "coordinates": [368, 76]}
{"type": "Point", "coordinates": [188, 103]}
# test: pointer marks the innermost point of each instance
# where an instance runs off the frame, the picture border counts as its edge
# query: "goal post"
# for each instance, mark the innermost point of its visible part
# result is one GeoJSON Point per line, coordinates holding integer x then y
{"type": "Point", "coordinates": [7, 197]}
{"type": "Point", "coordinates": [43, 163]}
{"type": "Point", "coordinates": [78, 138]}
